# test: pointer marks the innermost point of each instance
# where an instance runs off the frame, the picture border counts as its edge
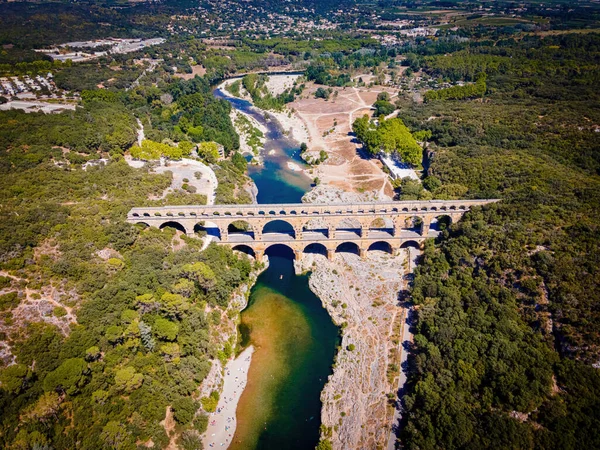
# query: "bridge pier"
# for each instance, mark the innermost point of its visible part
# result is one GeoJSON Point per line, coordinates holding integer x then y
{"type": "Point", "coordinates": [224, 234]}
{"type": "Point", "coordinates": [330, 253]}
{"type": "Point", "coordinates": [298, 254]}
{"type": "Point", "coordinates": [331, 232]}
{"type": "Point", "coordinates": [259, 254]}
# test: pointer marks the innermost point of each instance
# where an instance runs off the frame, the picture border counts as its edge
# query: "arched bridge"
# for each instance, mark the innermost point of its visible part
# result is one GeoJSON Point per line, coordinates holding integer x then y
{"type": "Point", "coordinates": [311, 227]}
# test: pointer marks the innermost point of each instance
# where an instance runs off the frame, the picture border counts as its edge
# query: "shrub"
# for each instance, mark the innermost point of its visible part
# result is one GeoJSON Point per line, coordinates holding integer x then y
{"type": "Point", "coordinates": [184, 409]}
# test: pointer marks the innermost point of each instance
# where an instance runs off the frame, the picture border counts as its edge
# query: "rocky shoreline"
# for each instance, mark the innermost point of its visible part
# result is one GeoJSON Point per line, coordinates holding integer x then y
{"type": "Point", "coordinates": [361, 296]}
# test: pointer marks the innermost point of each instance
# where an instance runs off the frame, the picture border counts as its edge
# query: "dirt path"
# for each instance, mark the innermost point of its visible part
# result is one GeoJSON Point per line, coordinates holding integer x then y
{"type": "Point", "coordinates": [329, 125]}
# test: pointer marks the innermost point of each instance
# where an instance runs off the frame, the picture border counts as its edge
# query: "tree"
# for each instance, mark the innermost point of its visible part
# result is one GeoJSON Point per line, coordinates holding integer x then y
{"type": "Point", "coordinates": [92, 353]}
{"type": "Point", "coordinates": [173, 305]}
{"type": "Point", "coordinates": [184, 409]}
{"type": "Point", "coordinates": [146, 336]}
{"type": "Point", "coordinates": [127, 379]}
{"type": "Point", "coordinates": [201, 274]}
{"type": "Point", "coordinates": [209, 152]}
{"type": "Point", "coordinates": [69, 377]}
{"type": "Point", "coordinates": [114, 334]}
{"type": "Point", "coordinates": [14, 379]}
{"type": "Point", "coordinates": [383, 108]}
{"type": "Point", "coordinates": [165, 329]}
{"type": "Point", "coordinates": [115, 436]}
{"type": "Point", "coordinates": [45, 408]}
{"type": "Point", "coordinates": [383, 96]}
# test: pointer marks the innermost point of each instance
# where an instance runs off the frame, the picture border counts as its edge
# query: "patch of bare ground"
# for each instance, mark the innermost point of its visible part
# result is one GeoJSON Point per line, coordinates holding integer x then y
{"type": "Point", "coordinates": [329, 125]}
{"type": "Point", "coordinates": [361, 295]}
{"type": "Point", "coordinates": [196, 70]}
{"type": "Point", "coordinates": [39, 301]}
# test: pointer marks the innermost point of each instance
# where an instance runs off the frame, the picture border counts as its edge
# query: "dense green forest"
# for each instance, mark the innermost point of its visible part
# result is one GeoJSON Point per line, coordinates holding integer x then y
{"type": "Point", "coordinates": [507, 325]}
{"type": "Point", "coordinates": [143, 339]}
{"type": "Point", "coordinates": [507, 322]}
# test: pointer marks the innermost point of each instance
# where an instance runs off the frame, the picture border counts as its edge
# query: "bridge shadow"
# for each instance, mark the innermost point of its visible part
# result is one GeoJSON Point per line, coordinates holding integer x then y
{"type": "Point", "coordinates": [207, 229]}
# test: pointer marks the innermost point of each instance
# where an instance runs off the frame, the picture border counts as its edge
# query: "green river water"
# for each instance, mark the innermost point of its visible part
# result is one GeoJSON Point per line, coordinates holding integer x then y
{"type": "Point", "coordinates": [293, 336]}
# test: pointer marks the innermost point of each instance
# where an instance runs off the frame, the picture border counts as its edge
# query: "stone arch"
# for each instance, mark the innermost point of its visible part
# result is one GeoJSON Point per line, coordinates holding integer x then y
{"type": "Point", "coordinates": [240, 228]}
{"type": "Point", "coordinates": [348, 247]}
{"type": "Point", "coordinates": [279, 226]}
{"type": "Point", "coordinates": [282, 250]}
{"type": "Point", "coordinates": [245, 249]}
{"type": "Point", "coordinates": [381, 225]}
{"type": "Point", "coordinates": [411, 244]}
{"type": "Point", "coordinates": [413, 223]}
{"type": "Point", "coordinates": [316, 227]}
{"type": "Point", "coordinates": [173, 224]}
{"type": "Point", "coordinates": [316, 248]}
{"type": "Point", "coordinates": [144, 225]}
{"type": "Point", "coordinates": [208, 228]}
{"type": "Point", "coordinates": [441, 222]}
{"type": "Point", "coordinates": [349, 225]}
{"type": "Point", "coordinates": [384, 246]}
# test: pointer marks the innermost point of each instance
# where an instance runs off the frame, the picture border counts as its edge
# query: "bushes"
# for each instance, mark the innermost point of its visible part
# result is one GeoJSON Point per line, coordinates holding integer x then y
{"type": "Point", "coordinates": [9, 301]}
{"type": "Point", "coordinates": [184, 409]}
{"type": "Point", "coordinates": [210, 403]}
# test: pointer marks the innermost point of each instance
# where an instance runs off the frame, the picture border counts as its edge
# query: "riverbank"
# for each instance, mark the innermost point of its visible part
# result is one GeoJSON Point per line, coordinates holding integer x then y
{"type": "Point", "coordinates": [363, 295]}
{"type": "Point", "coordinates": [222, 423]}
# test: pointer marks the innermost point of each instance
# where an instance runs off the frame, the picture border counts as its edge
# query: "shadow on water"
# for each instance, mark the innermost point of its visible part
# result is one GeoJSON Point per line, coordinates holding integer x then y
{"type": "Point", "coordinates": [295, 342]}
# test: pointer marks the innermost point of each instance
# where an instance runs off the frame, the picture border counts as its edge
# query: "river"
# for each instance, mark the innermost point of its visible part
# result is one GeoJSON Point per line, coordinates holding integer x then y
{"type": "Point", "coordinates": [276, 183]}
{"type": "Point", "coordinates": [294, 338]}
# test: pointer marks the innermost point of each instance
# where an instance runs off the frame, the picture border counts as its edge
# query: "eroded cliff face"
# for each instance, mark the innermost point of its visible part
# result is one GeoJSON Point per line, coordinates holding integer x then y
{"type": "Point", "coordinates": [363, 297]}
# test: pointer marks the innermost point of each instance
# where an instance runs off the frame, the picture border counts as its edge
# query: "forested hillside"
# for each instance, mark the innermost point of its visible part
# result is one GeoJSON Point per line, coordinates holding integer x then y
{"type": "Point", "coordinates": [507, 321]}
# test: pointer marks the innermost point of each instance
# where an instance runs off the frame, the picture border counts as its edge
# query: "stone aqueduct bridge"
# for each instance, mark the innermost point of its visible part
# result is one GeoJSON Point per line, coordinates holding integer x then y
{"type": "Point", "coordinates": [310, 227]}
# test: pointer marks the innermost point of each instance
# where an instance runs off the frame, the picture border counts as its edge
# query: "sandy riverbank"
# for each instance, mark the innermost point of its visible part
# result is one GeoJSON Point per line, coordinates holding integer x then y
{"type": "Point", "coordinates": [222, 423]}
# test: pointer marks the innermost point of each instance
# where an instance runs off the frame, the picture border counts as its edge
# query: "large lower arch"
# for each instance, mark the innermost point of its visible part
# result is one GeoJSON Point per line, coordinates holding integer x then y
{"type": "Point", "coordinates": [382, 246]}
{"type": "Point", "coordinates": [349, 225]}
{"type": "Point", "coordinates": [279, 227]}
{"type": "Point", "coordinates": [411, 244]}
{"type": "Point", "coordinates": [348, 247]}
{"type": "Point", "coordinates": [246, 249]}
{"type": "Point", "coordinates": [315, 228]}
{"type": "Point", "coordinates": [316, 249]}
{"type": "Point", "coordinates": [208, 228]}
{"type": "Point", "coordinates": [441, 223]}
{"type": "Point", "coordinates": [172, 224]}
{"type": "Point", "coordinates": [381, 225]}
{"type": "Point", "coordinates": [413, 223]}
{"type": "Point", "coordinates": [280, 250]}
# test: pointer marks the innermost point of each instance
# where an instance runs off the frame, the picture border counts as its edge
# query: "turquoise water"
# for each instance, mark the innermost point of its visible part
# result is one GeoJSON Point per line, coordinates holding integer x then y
{"type": "Point", "coordinates": [293, 336]}
{"type": "Point", "coordinates": [275, 182]}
